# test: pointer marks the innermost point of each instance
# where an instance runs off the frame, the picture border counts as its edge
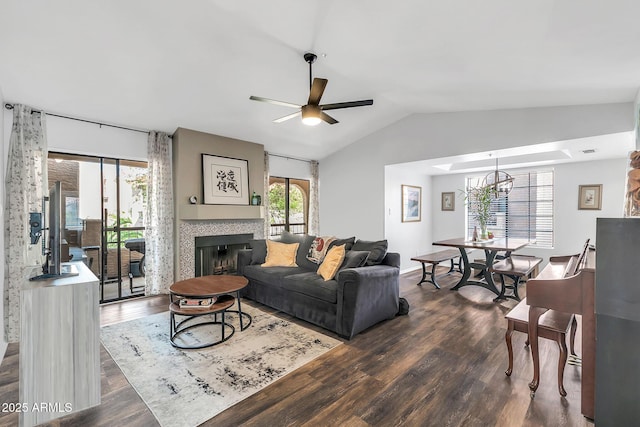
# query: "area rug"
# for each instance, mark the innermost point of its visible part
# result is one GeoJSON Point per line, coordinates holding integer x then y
{"type": "Point", "coordinates": [188, 387]}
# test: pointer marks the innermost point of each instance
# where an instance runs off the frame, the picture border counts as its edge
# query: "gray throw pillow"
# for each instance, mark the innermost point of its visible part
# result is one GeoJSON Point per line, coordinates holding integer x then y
{"type": "Point", "coordinates": [354, 259]}
{"type": "Point", "coordinates": [378, 250]}
{"type": "Point", "coordinates": [305, 241]}
{"type": "Point", "coordinates": [259, 251]}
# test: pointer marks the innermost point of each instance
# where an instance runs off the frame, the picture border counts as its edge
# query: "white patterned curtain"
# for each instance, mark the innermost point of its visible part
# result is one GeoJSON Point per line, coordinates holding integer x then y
{"type": "Point", "coordinates": [159, 216]}
{"type": "Point", "coordinates": [25, 184]}
{"type": "Point", "coordinates": [265, 197]}
{"type": "Point", "coordinates": [314, 209]}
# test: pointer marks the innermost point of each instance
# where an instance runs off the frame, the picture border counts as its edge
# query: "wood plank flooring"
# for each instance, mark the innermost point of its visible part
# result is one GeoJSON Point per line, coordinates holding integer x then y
{"type": "Point", "coordinates": [443, 364]}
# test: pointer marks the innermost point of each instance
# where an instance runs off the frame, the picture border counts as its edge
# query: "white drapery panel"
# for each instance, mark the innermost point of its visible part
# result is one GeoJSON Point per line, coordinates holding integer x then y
{"type": "Point", "coordinates": [159, 241]}
{"type": "Point", "coordinates": [265, 197]}
{"type": "Point", "coordinates": [25, 184]}
{"type": "Point", "coordinates": [314, 209]}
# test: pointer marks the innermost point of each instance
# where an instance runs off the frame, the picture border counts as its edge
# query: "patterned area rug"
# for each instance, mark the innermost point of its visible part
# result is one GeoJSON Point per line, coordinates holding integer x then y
{"type": "Point", "coordinates": [188, 387]}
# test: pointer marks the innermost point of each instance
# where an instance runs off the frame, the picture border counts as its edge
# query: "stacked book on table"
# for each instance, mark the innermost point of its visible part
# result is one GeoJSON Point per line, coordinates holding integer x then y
{"type": "Point", "coordinates": [196, 302]}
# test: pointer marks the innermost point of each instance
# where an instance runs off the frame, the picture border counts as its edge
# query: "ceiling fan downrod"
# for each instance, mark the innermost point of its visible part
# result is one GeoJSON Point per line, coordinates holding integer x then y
{"type": "Point", "coordinates": [310, 58]}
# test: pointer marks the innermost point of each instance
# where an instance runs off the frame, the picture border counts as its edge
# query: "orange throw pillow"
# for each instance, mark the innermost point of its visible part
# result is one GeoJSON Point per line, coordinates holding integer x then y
{"type": "Point", "coordinates": [332, 262]}
{"type": "Point", "coordinates": [281, 254]}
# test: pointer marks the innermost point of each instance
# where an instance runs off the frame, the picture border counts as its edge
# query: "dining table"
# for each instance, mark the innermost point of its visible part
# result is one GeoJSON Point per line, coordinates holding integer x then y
{"type": "Point", "coordinates": [491, 247]}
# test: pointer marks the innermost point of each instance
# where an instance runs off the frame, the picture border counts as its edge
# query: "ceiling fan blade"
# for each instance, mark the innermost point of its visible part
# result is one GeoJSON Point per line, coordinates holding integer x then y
{"type": "Point", "coordinates": [285, 118]}
{"type": "Point", "coordinates": [327, 118]}
{"type": "Point", "coordinates": [339, 105]}
{"type": "Point", "coordinates": [273, 101]}
{"type": "Point", "coordinates": [317, 89]}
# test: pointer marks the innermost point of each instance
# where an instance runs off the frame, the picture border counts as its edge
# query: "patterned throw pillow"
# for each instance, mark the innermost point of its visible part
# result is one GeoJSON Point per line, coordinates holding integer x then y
{"type": "Point", "coordinates": [319, 248]}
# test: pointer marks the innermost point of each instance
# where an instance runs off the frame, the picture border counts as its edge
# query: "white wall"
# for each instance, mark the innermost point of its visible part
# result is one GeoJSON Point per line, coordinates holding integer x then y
{"type": "Point", "coordinates": [352, 180]}
{"type": "Point", "coordinates": [407, 238]}
{"type": "Point", "coordinates": [3, 343]}
{"type": "Point", "coordinates": [71, 136]}
{"type": "Point", "coordinates": [286, 167]}
{"type": "Point", "coordinates": [571, 225]}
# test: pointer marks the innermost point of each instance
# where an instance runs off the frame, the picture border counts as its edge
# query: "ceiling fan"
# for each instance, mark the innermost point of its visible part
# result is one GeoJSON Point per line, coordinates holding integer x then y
{"type": "Point", "coordinates": [313, 112]}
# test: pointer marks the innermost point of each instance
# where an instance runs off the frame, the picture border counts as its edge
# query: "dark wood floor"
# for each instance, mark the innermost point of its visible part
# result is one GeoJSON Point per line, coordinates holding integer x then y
{"type": "Point", "coordinates": [442, 365]}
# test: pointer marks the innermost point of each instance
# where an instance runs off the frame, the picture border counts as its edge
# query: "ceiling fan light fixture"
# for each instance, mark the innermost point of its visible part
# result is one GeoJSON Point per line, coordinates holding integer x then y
{"type": "Point", "coordinates": [311, 115]}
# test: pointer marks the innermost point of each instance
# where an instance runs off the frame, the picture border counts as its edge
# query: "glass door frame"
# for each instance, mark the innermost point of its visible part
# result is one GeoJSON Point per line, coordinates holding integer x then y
{"type": "Point", "coordinates": [116, 229]}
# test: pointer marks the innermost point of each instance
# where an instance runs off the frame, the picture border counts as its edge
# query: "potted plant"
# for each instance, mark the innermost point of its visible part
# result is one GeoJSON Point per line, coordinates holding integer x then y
{"type": "Point", "coordinates": [480, 200]}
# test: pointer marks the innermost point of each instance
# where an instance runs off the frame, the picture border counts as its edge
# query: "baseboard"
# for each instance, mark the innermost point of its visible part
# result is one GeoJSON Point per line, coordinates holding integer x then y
{"type": "Point", "coordinates": [409, 270]}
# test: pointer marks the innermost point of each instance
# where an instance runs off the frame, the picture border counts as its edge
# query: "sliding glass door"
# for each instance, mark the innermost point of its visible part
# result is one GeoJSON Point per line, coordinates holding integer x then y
{"type": "Point", "coordinates": [103, 222]}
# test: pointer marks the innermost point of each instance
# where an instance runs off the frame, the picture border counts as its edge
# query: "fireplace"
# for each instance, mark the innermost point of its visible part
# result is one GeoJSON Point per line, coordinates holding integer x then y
{"type": "Point", "coordinates": [218, 254]}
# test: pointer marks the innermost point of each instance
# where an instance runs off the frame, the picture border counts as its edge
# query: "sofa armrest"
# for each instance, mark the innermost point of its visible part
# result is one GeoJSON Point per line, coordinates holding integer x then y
{"type": "Point", "coordinates": [244, 259]}
{"type": "Point", "coordinates": [366, 296]}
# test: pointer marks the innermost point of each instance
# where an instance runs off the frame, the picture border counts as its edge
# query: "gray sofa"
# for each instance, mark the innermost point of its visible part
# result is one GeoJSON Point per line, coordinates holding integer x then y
{"type": "Point", "coordinates": [357, 298]}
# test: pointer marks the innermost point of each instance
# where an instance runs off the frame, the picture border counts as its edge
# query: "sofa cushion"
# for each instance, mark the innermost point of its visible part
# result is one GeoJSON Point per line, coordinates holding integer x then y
{"type": "Point", "coordinates": [259, 251]}
{"type": "Point", "coordinates": [305, 242]}
{"type": "Point", "coordinates": [332, 262]}
{"type": "Point", "coordinates": [281, 254]}
{"type": "Point", "coordinates": [354, 259]}
{"type": "Point", "coordinates": [319, 248]}
{"type": "Point", "coordinates": [273, 276]}
{"type": "Point", "coordinates": [348, 243]}
{"type": "Point", "coordinates": [377, 250]}
{"type": "Point", "coordinates": [310, 284]}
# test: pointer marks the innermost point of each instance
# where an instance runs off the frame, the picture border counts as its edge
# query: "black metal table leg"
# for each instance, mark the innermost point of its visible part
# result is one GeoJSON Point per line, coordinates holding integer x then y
{"type": "Point", "coordinates": [488, 282]}
{"type": "Point", "coordinates": [241, 313]}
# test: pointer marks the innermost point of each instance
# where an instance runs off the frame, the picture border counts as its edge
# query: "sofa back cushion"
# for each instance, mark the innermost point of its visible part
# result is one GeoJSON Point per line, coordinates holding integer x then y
{"type": "Point", "coordinates": [377, 250]}
{"type": "Point", "coordinates": [332, 262]}
{"type": "Point", "coordinates": [281, 254]}
{"type": "Point", "coordinates": [354, 259]}
{"type": "Point", "coordinates": [348, 242]}
{"type": "Point", "coordinates": [305, 242]}
{"type": "Point", "coordinates": [258, 251]}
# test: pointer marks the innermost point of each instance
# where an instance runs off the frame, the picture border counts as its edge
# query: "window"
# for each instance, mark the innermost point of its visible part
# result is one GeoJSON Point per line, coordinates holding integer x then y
{"type": "Point", "coordinates": [526, 212]}
{"type": "Point", "coordinates": [288, 205]}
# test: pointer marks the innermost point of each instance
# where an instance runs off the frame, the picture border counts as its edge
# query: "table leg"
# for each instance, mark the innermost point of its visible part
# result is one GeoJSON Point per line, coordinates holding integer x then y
{"type": "Point", "coordinates": [241, 314]}
{"type": "Point", "coordinates": [488, 282]}
{"type": "Point", "coordinates": [466, 273]}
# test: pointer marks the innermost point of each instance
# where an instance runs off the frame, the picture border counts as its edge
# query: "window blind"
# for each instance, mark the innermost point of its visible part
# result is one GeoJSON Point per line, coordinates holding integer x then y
{"type": "Point", "coordinates": [525, 213]}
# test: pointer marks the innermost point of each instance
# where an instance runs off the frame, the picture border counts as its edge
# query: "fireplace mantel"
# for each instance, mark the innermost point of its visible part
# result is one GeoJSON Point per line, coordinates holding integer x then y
{"type": "Point", "coordinates": [214, 212]}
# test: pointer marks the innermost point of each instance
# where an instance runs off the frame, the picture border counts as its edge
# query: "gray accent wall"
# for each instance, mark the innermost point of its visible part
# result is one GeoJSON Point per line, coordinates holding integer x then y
{"type": "Point", "coordinates": [204, 220]}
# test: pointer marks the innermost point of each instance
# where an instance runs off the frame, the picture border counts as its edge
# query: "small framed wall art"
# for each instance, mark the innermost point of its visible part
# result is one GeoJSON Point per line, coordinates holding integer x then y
{"type": "Point", "coordinates": [590, 197]}
{"type": "Point", "coordinates": [225, 180]}
{"type": "Point", "coordinates": [449, 201]}
{"type": "Point", "coordinates": [411, 203]}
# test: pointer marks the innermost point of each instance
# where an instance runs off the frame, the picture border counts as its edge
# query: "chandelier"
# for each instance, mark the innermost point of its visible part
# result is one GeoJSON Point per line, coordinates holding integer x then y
{"type": "Point", "coordinates": [499, 182]}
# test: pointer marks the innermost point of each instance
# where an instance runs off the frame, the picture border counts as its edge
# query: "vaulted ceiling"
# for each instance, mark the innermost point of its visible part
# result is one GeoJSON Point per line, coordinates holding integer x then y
{"type": "Point", "coordinates": [163, 64]}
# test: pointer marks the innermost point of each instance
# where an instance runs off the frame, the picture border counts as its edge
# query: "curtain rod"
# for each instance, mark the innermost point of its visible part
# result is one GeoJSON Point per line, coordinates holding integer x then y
{"type": "Point", "coordinates": [290, 158]}
{"type": "Point", "coordinates": [10, 107]}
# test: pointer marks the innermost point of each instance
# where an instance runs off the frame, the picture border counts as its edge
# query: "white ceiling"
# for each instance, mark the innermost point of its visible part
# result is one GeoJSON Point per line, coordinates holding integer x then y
{"type": "Point", "coordinates": [162, 64]}
{"type": "Point", "coordinates": [617, 145]}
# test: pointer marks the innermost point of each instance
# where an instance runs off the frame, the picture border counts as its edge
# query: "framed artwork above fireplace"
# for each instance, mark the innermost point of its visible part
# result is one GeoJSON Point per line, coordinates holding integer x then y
{"type": "Point", "coordinates": [225, 180]}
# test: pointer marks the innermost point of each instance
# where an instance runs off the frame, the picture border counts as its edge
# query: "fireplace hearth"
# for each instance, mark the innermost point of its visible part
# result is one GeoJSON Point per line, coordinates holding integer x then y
{"type": "Point", "coordinates": [218, 254]}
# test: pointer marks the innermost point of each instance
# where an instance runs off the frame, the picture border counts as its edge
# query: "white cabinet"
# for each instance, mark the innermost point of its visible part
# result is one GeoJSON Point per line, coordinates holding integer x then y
{"type": "Point", "coordinates": [59, 347]}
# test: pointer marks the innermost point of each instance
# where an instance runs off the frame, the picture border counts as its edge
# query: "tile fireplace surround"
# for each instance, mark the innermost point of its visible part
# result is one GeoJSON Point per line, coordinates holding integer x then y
{"type": "Point", "coordinates": [189, 230]}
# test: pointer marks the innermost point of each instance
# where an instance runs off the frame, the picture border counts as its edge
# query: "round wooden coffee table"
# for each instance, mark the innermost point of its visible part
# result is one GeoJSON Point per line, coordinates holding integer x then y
{"type": "Point", "coordinates": [220, 286]}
